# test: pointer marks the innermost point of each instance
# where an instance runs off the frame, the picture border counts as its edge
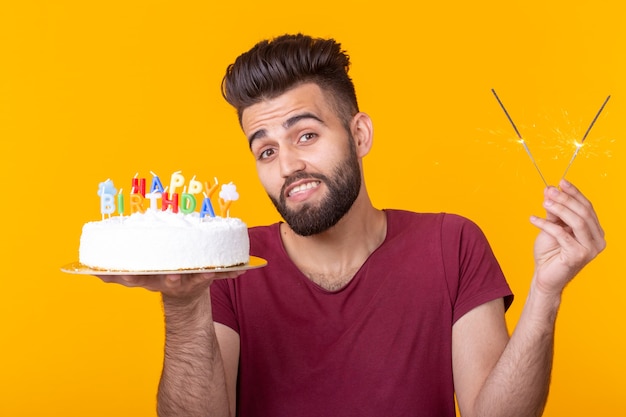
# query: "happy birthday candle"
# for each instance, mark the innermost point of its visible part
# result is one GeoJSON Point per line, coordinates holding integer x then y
{"type": "Point", "coordinates": [207, 207]}
{"type": "Point", "coordinates": [156, 185]}
{"type": "Point", "coordinates": [187, 203]}
{"type": "Point", "coordinates": [139, 186]}
{"type": "Point", "coordinates": [153, 197]}
{"type": "Point", "coordinates": [106, 191]}
{"type": "Point", "coordinates": [136, 203]}
{"type": "Point", "coordinates": [211, 189]}
{"type": "Point", "coordinates": [168, 202]}
{"type": "Point", "coordinates": [195, 186]}
{"type": "Point", "coordinates": [228, 194]}
{"type": "Point", "coordinates": [176, 180]}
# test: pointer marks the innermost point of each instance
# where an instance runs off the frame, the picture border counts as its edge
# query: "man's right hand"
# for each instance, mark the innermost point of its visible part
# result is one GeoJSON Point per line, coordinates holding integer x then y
{"type": "Point", "coordinates": [182, 287]}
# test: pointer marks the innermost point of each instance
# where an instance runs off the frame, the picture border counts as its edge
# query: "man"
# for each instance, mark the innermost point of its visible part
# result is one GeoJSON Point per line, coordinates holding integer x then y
{"type": "Point", "coordinates": [359, 312]}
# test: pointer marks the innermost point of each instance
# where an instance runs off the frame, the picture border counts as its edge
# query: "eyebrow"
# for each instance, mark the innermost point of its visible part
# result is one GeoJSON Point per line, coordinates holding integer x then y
{"type": "Point", "coordinates": [286, 125]}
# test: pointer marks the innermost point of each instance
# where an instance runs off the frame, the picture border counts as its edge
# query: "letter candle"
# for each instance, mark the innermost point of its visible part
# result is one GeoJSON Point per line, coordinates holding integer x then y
{"type": "Point", "coordinates": [136, 203]}
{"type": "Point", "coordinates": [107, 204]}
{"type": "Point", "coordinates": [228, 194]}
{"type": "Point", "coordinates": [153, 197]}
{"type": "Point", "coordinates": [187, 203]}
{"type": "Point", "coordinates": [156, 184]}
{"type": "Point", "coordinates": [176, 180]}
{"type": "Point", "coordinates": [213, 189]}
{"type": "Point", "coordinates": [195, 186]}
{"type": "Point", "coordinates": [207, 207]}
{"type": "Point", "coordinates": [167, 202]}
{"type": "Point", "coordinates": [106, 191]}
{"type": "Point", "coordinates": [139, 186]}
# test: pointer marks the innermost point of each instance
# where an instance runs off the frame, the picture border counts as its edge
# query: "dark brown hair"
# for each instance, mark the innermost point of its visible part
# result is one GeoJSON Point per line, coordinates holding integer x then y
{"type": "Point", "coordinates": [272, 67]}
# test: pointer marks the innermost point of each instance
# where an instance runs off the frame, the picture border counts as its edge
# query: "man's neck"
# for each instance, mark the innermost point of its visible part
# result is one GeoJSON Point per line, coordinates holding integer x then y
{"type": "Point", "coordinates": [332, 258]}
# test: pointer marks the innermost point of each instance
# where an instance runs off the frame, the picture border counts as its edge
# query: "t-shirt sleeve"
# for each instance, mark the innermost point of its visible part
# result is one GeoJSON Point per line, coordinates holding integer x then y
{"type": "Point", "coordinates": [223, 303]}
{"type": "Point", "coordinates": [472, 271]}
{"type": "Point", "coordinates": [227, 295]}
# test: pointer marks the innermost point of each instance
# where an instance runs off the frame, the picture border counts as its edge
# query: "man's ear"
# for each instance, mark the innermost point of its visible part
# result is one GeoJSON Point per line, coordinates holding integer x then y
{"type": "Point", "coordinates": [363, 133]}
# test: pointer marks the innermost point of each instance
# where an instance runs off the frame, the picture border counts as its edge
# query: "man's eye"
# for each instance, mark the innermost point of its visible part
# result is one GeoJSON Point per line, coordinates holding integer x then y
{"type": "Point", "coordinates": [307, 136]}
{"type": "Point", "coordinates": [266, 153]}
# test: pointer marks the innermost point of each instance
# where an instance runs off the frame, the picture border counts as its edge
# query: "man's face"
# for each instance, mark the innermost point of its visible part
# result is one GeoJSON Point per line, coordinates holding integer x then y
{"type": "Point", "coordinates": [305, 158]}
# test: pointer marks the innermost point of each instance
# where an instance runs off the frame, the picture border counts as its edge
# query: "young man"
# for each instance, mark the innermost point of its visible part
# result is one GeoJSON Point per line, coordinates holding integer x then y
{"type": "Point", "coordinates": [359, 311]}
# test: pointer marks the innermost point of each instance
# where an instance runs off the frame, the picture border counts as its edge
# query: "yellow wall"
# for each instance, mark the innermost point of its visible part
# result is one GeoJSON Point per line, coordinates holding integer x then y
{"type": "Point", "coordinates": [96, 90]}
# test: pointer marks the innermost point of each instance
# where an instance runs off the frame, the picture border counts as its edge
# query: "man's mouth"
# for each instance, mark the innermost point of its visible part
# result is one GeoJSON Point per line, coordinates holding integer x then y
{"type": "Point", "coordinates": [303, 187]}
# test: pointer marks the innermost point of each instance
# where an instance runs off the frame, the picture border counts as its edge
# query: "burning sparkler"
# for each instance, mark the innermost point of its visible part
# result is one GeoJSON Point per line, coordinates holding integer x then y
{"type": "Point", "coordinates": [521, 139]}
{"type": "Point", "coordinates": [580, 144]}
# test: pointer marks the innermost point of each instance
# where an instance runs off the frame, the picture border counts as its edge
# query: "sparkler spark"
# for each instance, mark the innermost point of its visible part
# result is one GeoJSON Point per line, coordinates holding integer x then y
{"type": "Point", "coordinates": [580, 145]}
{"type": "Point", "coordinates": [521, 139]}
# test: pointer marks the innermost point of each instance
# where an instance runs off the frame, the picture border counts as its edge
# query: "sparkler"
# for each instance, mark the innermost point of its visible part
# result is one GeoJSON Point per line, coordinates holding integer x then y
{"type": "Point", "coordinates": [580, 145]}
{"type": "Point", "coordinates": [521, 139]}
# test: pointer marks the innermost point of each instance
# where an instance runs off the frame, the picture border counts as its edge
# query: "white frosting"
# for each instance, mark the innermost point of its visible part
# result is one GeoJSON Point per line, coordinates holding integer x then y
{"type": "Point", "coordinates": [158, 241]}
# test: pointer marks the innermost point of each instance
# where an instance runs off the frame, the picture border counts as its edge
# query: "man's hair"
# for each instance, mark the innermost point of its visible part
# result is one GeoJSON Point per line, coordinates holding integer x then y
{"type": "Point", "coordinates": [273, 67]}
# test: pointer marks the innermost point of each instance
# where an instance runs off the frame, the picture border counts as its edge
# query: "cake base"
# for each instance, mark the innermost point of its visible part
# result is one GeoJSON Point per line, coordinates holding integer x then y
{"type": "Point", "coordinates": [79, 269]}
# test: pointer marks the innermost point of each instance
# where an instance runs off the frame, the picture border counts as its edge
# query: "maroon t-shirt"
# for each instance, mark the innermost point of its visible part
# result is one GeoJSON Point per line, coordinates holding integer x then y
{"type": "Point", "coordinates": [382, 345]}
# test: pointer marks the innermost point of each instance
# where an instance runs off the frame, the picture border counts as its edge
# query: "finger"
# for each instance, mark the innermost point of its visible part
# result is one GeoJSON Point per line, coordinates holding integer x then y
{"type": "Point", "coordinates": [127, 280]}
{"type": "Point", "coordinates": [148, 282]}
{"type": "Point", "coordinates": [571, 190]}
{"type": "Point", "coordinates": [572, 231]}
{"type": "Point", "coordinates": [172, 281]}
{"type": "Point", "coordinates": [228, 274]}
{"type": "Point", "coordinates": [579, 216]}
{"type": "Point", "coordinates": [565, 240]}
{"type": "Point", "coordinates": [577, 227]}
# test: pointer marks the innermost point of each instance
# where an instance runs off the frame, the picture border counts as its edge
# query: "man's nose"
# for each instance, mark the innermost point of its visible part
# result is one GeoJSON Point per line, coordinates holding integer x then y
{"type": "Point", "coordinates": [290, 161]}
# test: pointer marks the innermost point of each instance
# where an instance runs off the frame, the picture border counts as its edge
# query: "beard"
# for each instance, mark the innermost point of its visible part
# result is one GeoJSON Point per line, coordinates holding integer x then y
{"type": "Point", "coordinates": [343, 189]}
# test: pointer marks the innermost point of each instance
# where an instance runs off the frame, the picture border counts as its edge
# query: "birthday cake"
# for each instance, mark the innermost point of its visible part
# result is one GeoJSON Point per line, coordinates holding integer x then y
{"type": "Point", "coordinates": [166, 238]}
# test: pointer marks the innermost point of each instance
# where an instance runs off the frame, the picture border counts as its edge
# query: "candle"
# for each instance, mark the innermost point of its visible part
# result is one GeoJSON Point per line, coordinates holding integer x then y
{"type": "Point", "coordinates": [156, 184]}
{"type": "Point", "coordinates": [153, 197]}
{"type": "Point", "coordinates": [228, 194]}
{"type": "Point", "coordinates": [107, 204]}
{"type": "Point", "coordinates": [195, 186]}
{"type": "Point", "coordinates": [139, 186]}
{"type": "Point", "coordinates": [211, 189]}
{"type": "Point", "coordinates": [106, 191]}
{"type": "Point", "coordinates": [187, 203]}
{"type": "Point", "coordinates": [136, 203]}
{"type": "Point", "coordinates": [132, 188]}
{"type": "Point", "coordinates": [176, 180]}
{"type": "Point", "coordinates": [207, 207]}
{"type": "Point", "coordinates": [120, 203]}
{"type": "Point", "coordinates": [224, 206]}
{"type": "Point", "coordinates": [167, 202]}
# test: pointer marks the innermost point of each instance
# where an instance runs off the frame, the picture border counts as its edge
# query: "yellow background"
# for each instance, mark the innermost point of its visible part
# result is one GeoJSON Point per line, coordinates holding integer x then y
{"type": "Point", "coordinates": [96, 90]}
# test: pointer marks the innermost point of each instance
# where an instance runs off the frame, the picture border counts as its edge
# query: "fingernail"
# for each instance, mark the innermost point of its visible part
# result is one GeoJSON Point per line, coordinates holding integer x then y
{"type": "Point", "coordinates": [172, 278]}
